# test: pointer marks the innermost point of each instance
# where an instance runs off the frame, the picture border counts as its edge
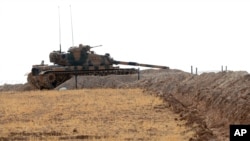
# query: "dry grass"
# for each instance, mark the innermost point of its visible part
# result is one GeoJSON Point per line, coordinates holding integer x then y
{"type": "Point", "coordinates": [92, 114]}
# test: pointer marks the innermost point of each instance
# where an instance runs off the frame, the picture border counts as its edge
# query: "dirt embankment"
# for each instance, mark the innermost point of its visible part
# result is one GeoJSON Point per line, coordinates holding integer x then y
{"type": "Point", "coordinates": [16, 87]}
{"type": "Point", "coordinates": [210, 101]}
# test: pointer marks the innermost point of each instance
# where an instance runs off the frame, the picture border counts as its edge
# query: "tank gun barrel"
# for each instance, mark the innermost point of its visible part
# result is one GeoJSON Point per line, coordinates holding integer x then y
{"type": "Point", "coordinates": [95, 46]}
{"type": "Point", "coordinates": [138, 64]}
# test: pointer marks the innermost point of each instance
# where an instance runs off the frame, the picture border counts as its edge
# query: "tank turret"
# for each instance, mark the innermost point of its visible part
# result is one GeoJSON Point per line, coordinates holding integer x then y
{"type": "Point", "coordinates": [78, 60]}
{"type": "Point", "coordinates": [75, 56]}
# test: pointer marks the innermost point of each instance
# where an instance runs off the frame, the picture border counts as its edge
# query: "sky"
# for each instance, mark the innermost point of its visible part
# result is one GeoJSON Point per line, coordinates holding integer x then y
{"type": "Point", "coordinates": [173, 33]}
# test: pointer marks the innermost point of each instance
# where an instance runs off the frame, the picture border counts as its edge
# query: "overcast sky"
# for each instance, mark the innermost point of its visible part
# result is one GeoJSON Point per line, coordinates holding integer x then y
{"type": "Point", "coordinates": [174, 33]}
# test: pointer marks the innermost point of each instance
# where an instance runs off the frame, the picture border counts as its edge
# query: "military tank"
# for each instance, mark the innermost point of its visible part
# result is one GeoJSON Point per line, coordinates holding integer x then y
{"type": "Point", "coordinates": [78, 60]}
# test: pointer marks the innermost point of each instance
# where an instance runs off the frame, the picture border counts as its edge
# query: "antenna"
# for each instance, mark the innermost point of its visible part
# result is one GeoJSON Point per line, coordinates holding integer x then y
{"type": "Point", "coordinates": [59, 28]}
{"type": "Point", "coordinates": [71, 25]}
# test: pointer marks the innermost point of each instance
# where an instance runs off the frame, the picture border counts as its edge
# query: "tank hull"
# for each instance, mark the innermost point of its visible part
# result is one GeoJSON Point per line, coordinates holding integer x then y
{"type": "Point", "coordinates": [50, 77]}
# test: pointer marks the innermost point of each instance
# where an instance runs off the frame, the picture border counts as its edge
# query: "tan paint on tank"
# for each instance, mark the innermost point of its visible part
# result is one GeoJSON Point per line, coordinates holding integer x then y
{"type": "Point", "coordinates": [41, 79]}
{"type": "Point", "coordinates": [77, 55]}
{"type": "Point", "coordinates": [101, 67]}
{"type": "Point", "coordinates": [79, 67]}
{"type": "Point", "coordinates": [91, 68]}
{"type": "Point", "coordinates": [71, 67]}
{"type": "Point", "coordinates": [59, 69]}
{"type": "Point", "coordinates": [95, 59]}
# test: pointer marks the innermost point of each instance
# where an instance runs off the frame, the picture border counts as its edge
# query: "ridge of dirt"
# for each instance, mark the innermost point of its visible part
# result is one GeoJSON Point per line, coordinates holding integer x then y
{"type": "Point", "coordinates": [212, 101]}
{"type": "Point", "coordinates": [161, 82]}
{"type": "Point", "coordinates": [16, 87]}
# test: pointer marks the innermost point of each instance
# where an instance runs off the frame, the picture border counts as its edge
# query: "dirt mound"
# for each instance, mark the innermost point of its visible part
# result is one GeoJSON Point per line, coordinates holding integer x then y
{"type": "Point", "coordinates": [210, 101]}
{"type": "Point", "coordinates": [16, 87]}
{"type": "Point", "coordinates": [114, 81]}
{"type": "Point", "coordinates": [213, 101]}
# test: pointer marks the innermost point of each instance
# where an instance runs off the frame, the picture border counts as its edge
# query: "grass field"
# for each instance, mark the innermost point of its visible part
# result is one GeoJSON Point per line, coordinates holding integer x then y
{"type": "Point", "coordinates": [91, 114]}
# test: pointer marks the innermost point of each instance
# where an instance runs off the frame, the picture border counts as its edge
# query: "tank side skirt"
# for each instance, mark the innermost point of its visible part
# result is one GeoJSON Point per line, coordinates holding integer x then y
{"type": "Point", "coordinates": [46, 81]}
{"type": "Point", "coordinates": [96, 72]}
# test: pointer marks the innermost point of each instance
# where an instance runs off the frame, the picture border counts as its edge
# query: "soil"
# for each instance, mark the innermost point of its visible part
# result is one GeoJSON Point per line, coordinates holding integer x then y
{"type": "Point", "coordinates": [210, 102]}
{"type": "Point", "coordinates": [89, 114]}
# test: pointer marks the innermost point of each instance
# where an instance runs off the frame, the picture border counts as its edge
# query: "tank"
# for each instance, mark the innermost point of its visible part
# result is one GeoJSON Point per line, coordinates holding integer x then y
{"type": "Point", "coordinates": [78, 60]}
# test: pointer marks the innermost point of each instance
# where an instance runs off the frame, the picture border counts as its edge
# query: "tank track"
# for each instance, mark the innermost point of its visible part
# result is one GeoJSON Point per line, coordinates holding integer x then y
{"type": "Point", "coordinates": [51, 79]}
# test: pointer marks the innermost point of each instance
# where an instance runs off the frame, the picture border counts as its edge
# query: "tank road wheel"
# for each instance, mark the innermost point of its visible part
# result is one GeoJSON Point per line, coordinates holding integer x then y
{"type": "Point", "coordinates": [52, 80]}
{"type": "Point", "coordinates": [51, 77]}
{"type": "Point", "coordinates": [49, 81]}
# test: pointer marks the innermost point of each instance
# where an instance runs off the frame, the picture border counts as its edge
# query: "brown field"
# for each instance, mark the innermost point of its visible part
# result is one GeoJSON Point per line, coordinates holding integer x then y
{"type": "Point", "coordinates": [89, 114]}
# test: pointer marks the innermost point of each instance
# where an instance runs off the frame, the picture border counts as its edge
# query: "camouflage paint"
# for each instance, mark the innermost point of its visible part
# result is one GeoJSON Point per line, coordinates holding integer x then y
{"type": "Point", "coordinates": [77, 61]}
